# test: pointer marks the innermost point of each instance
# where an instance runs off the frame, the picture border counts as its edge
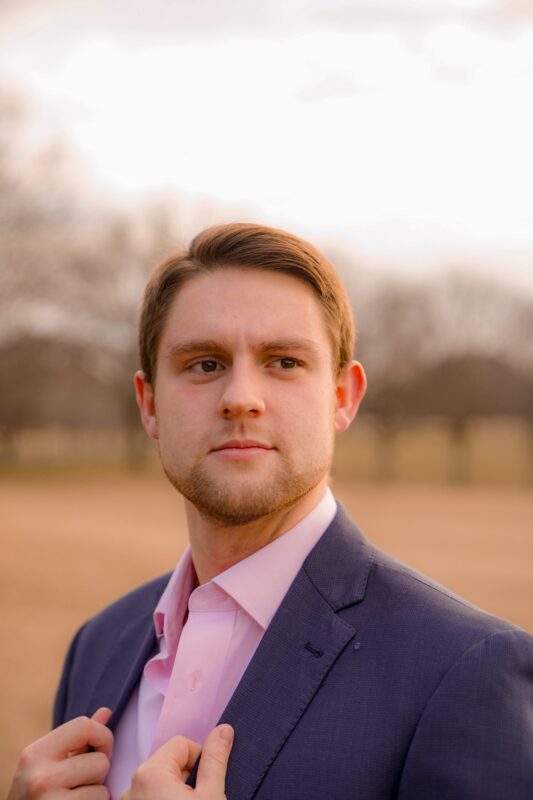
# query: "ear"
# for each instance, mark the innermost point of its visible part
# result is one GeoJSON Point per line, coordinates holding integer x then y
{"type": "Point", "coordinates": [144, 394]}
{"type": "Point", "coordinates": [349, 391]}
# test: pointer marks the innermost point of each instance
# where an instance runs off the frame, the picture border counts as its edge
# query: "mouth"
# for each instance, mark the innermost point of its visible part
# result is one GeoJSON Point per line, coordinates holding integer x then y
{"type": "Point", "coordinates": [242, 449]}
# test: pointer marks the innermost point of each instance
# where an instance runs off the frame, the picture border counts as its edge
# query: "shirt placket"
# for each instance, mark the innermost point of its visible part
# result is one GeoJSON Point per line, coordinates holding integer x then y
{"type": "Point", "coordinates": [188, 707]}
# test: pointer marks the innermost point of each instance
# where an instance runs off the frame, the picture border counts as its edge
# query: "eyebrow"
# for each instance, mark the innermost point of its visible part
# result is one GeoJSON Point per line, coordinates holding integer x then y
{"type": "Point", "coordinates": [295, 344]}
{"type": "Point", "coordinates": [193, 346]}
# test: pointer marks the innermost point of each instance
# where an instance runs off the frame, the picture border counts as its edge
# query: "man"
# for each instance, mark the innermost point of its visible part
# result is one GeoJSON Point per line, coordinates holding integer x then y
{"type": "Point", "coordinates": [336, 672]}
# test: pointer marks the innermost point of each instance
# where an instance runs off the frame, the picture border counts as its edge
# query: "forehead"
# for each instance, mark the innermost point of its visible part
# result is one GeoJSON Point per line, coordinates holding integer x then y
{"type": "Point", "coordinates": [231, 303]}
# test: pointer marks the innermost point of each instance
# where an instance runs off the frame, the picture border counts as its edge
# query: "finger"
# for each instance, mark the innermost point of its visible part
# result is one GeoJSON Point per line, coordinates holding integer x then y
{"type": "Point", "coordinates": [90, 793]}
{"type": "Point", "coordinates": [162, 775]}
{"type": "Point", "coordinates": [83, 770]}
{"type": "Point", "coordinates": [76, 735]}
{"type": "Point", "coordinates": [214, 761]}
{"type": "Point", "coordinates": [102, 715]}
{"type": "Point", "coordinates": [177, 757]}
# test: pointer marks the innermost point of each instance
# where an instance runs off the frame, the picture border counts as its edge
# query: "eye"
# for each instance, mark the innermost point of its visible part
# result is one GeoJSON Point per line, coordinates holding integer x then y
{"type": "Point", "coordinates": [205, 366]}
{"type": "Point", "coordinates": [286, 362]}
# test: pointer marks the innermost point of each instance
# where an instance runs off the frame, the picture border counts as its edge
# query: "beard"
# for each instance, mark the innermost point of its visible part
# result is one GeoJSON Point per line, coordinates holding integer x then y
{"type": "Point", "coordinates": [238, 499]}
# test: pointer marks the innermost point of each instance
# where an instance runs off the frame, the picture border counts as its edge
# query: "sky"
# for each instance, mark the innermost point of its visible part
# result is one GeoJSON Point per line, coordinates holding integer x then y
{"type": "Point", "coordinates": [401, 129]}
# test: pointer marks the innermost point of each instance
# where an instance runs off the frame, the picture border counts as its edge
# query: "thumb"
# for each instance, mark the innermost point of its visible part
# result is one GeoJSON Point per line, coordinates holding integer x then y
{"type": "Point", "coordinates": [214, 762]}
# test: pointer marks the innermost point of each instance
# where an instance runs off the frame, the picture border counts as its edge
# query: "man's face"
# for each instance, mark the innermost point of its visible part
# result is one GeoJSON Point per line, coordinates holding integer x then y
{"type": "Point", "coordinates": [246, 402]}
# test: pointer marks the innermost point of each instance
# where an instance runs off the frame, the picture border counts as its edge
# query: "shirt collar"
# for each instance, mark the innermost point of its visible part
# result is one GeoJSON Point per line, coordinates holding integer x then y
{"type": "Point", "coordinates": [170, 611]}
{"type": "Point", "coordinates": [260, 582]}
{"type": "Point", "coordinates": [257, 583]}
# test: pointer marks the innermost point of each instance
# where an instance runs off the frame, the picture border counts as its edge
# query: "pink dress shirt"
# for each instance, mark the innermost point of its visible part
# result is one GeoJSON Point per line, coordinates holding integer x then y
{"type": "Point", "coordinates": [250, 592]}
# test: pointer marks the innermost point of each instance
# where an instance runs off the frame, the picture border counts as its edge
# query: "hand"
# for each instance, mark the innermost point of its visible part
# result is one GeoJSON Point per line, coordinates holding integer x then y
{"type": "Point", "coordinates": [60, 761]}
{"type": "Point", "coordinates": [163, 776]}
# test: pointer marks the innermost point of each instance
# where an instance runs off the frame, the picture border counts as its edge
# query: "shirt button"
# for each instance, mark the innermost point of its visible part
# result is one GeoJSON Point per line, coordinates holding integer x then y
{"type": "Point", "coordinates": [195, 679]}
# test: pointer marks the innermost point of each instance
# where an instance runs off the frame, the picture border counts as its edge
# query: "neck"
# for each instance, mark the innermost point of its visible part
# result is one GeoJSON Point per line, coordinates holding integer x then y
{"type": "Point", "coordinates": [216, 547]}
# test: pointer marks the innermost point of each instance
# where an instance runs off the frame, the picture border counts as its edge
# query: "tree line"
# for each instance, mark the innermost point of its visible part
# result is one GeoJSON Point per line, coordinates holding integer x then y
{"type": "Point", "coordinates": [73, 266]}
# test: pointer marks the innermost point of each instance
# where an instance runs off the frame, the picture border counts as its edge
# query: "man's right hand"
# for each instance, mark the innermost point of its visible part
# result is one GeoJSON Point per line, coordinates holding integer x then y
{"type": "Point", "coordinates": [59, 762]}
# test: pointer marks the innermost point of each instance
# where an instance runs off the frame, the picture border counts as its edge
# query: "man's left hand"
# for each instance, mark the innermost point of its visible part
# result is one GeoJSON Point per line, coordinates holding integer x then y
{"type": "Point", "coordinates": [163, 776]}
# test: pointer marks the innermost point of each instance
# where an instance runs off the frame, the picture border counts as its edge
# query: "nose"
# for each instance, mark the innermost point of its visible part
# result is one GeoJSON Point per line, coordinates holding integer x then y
{"type": "Point", "coordinates": [242, 395]}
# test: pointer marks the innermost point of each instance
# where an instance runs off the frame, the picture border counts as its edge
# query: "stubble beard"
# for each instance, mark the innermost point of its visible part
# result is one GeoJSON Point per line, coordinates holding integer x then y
{"type": "Point", "coordinates": [240, 499]}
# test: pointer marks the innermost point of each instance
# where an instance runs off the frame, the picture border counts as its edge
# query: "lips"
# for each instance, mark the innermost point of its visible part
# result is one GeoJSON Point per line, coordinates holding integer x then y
{"type": "Point", "coordinates": [242, 450]}
{"type": "Point", "coordinates": [242, 444]}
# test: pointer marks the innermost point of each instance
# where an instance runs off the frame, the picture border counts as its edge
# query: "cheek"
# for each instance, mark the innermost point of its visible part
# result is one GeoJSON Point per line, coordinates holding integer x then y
{"type": "Point", "coordinates": [324, 407]}
{"type": "Point", "coordinates": [316, 419]}
{"type": "Point", "coordinates": [177, 406]}
{"type": "Point", "coordinates": [174, 422]}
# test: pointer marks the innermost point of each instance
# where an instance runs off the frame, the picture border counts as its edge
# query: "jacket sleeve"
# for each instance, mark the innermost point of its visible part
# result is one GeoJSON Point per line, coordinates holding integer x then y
{"type": "Point", "coordinates": [475, 737]}
{"type": "Point", "coordinates": [62, 694]}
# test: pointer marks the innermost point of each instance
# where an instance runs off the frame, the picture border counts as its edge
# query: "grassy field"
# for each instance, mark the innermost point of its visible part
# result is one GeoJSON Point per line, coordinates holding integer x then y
{"type": "Point", "coordinates": [71, 544]}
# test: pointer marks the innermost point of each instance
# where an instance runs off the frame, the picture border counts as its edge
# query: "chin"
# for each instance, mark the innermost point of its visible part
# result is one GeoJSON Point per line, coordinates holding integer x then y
{"type": "Point", "coordinates": [239, 500]}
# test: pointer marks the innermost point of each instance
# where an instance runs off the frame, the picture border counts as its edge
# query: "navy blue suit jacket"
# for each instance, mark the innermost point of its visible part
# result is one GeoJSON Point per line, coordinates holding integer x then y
{"type": "Point", "coordinates": [371, 683]}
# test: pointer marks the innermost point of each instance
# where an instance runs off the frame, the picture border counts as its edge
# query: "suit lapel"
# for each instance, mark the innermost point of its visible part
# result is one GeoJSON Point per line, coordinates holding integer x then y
{"type": "Point", "coordinates": [296, 653]}
{"type": "Point", "coordinates": [132, 649]}
{"type": "Point", "coordinates": [301, 644]}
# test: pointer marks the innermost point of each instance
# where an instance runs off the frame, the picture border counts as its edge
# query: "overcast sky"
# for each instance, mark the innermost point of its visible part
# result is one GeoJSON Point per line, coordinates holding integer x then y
{"type": "Point", "coordinates": [402, 128]}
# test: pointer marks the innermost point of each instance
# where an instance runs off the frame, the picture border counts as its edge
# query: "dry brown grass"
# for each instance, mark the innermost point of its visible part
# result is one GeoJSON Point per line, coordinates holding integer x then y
{"type": "Point", "coordinates": [72, 544]}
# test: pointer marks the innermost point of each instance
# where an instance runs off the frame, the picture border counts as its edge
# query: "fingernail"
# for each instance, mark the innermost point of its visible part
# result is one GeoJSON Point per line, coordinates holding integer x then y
{"type": "Point", "coordinates": [226, 734]}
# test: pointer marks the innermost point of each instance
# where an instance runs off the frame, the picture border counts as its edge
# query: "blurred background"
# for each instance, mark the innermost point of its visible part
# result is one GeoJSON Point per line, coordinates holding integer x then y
{"type": "Point", "coordinates": [396, 136]}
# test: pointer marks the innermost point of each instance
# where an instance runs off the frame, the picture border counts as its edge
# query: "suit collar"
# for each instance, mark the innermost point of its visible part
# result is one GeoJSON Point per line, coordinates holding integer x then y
{"type": "Point", "coordinates": [339, 564]}
{"type": "Point", "coordinates": [259, 582]}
